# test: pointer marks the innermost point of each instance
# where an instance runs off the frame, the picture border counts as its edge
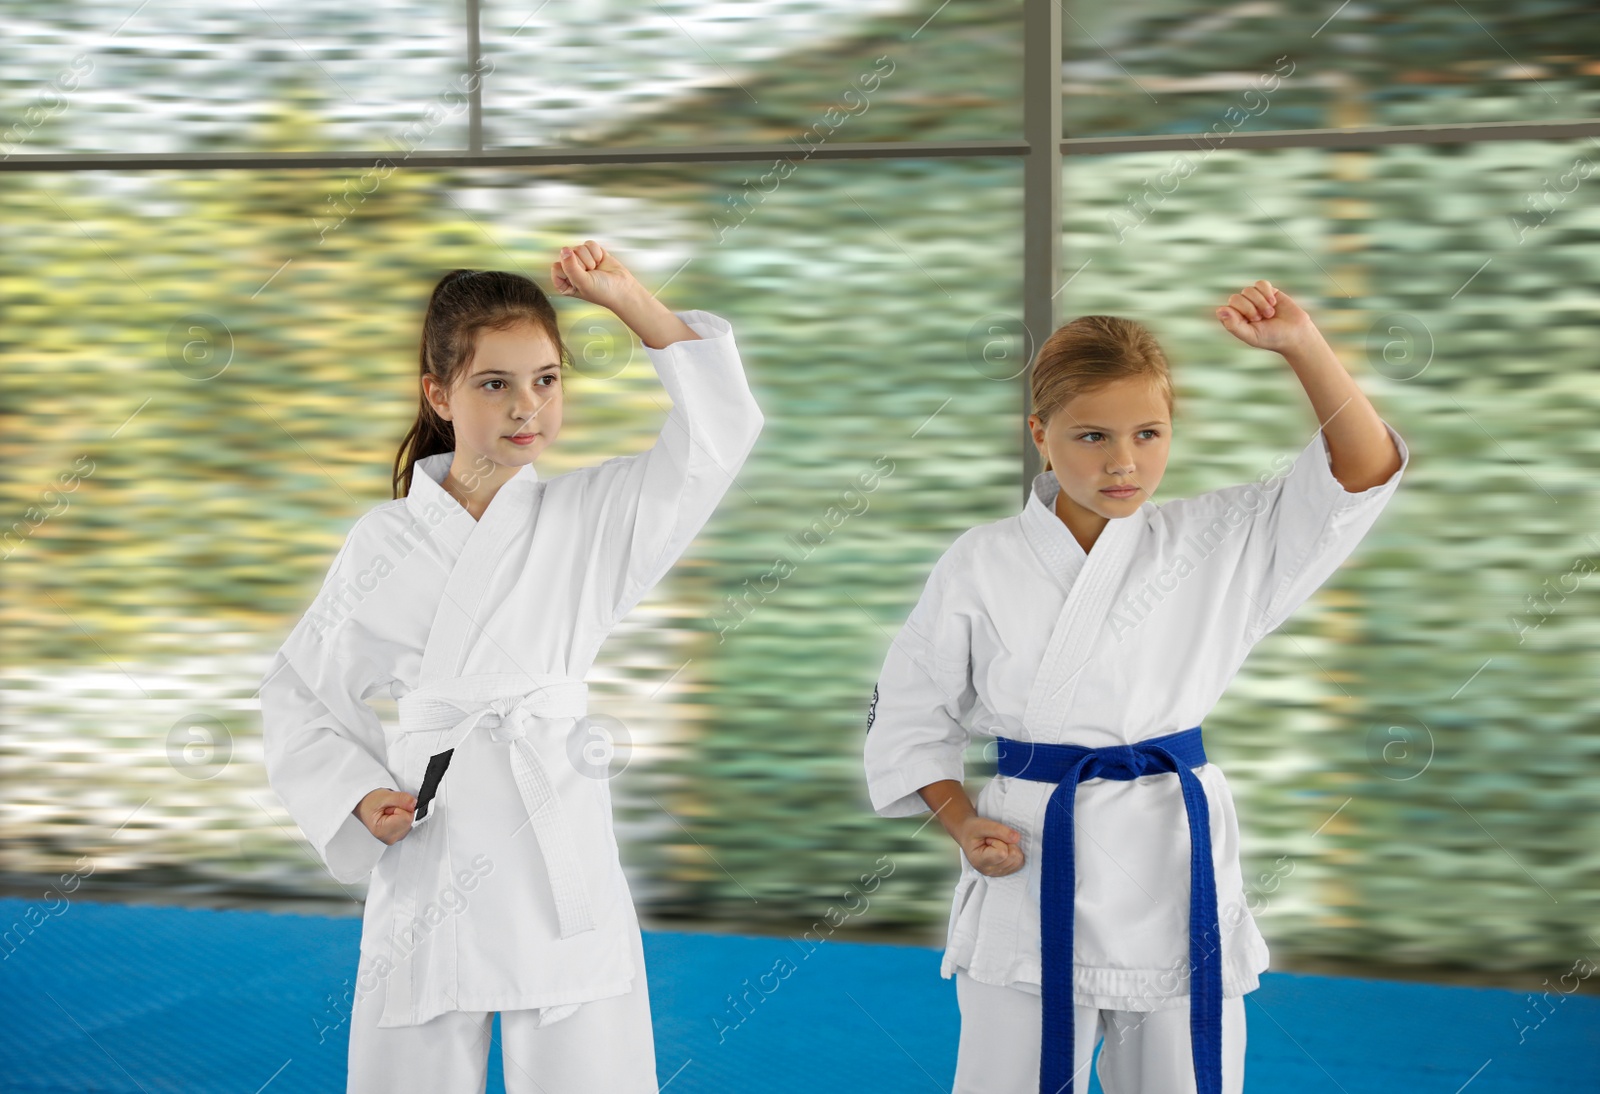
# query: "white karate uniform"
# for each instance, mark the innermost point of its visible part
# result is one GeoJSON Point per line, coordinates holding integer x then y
{"type": "Point", "coordinates": [509, 896]}
{"type": "Point", "coordinates": [1019, 633]}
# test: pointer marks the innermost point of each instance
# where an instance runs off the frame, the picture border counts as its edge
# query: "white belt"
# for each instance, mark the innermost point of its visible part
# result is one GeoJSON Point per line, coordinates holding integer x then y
{"type": "Point", "coordinates": [510, 704]}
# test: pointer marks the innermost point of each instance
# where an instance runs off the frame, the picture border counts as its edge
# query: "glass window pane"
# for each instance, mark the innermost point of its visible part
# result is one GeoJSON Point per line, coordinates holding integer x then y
{"type": "Point", "coordinates": [186, 77]}
{"type": "Point", "coordinates": [1458, 285]}
{"type": "Point", "coordinates": [1188, 67]}
{"type": "Point", "coordinates": [225, 382]}
{"type": "Point", "coordinates": [636, 72]}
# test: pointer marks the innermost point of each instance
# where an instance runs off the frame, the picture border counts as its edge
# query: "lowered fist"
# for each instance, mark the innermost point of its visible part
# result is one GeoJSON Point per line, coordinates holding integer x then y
{"type": "Point", "coordinates": [387, 813]}
{"type": "Point", "coordinates": [993, 848]}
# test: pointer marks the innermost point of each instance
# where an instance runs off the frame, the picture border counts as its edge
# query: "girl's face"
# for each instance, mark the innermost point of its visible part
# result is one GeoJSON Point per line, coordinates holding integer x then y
{"type": "Point", "coordinates": [511, 386]}
{"type": "Point", "coordinates": [1117, 435]}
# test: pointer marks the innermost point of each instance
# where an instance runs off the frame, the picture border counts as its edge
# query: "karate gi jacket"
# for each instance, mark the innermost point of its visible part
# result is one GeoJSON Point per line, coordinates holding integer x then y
{"type": "Point", "coordinates": [510, 894]}
{"type": "Point", "coordinates": [1019, 633]}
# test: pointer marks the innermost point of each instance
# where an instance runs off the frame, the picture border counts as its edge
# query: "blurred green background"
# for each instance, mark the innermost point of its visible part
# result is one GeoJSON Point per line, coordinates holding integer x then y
{"type": "Point", "coordinates": [222, 364]}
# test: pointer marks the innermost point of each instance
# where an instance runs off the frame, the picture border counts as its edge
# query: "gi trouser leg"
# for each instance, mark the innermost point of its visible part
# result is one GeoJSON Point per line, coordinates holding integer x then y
{"type": "Point", "coordinates": [605, 1045]}
{"type": "Point", "coordinates": [1145, 1052]}
{"type": "Point", "coordinates": [1148, 1051]}
{"type": "Point", "coordinates": [448, 1054]}
{"type": "Point", "coordinates": [999, 1047]}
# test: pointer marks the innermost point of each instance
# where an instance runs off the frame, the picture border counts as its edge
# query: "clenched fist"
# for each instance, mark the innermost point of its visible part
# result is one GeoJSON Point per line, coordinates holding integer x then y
{"type": "Point", "coordinates": [1266, 317]}
{"type": "Point", "coordinates": [993, 848]}
{"type": "Point", "coordinates": [589, 272]}
{"type": "Point", "coordinates": [387, 813]}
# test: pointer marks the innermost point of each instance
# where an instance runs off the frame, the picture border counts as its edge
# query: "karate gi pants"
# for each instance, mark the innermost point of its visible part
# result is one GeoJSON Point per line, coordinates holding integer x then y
{"type": "Point", "coordinates": [1145, 1052]}
{"type": "Point", "coordinates": [605, 1045]}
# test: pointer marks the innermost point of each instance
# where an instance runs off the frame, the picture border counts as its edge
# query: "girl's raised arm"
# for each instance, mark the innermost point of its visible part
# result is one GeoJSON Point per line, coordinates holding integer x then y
{"type": "Point", "coordinates": [636, 515]}
{"type": "Point", "coordinates": [1361, 451]}
{"type": "Point", "coordinates": [1300, 527]}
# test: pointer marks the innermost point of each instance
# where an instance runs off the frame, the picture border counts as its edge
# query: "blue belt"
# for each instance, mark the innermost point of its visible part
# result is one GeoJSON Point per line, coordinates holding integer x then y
{"type": "Point", "coordinates": [1067, 765]}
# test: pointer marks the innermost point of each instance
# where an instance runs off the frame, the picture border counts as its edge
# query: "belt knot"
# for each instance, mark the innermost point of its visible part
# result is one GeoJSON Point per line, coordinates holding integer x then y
{"type": "Point", "coordinates": [507, 718]}
{"type": "Point", "coordinates": [1114, 762]}
{"type": "Point", "coordinates": [1125, 762]}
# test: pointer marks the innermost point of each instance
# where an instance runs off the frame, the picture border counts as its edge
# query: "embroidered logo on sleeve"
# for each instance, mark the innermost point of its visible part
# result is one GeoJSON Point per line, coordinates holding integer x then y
{"type": "Point", "coordinates": [872, 710]}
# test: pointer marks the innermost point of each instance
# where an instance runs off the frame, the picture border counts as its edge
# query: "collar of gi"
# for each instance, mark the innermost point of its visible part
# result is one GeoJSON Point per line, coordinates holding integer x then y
{"type": "Point", "coordinates": [428, 475]}
{"type": "Point", "coordinates": [1053, 541]}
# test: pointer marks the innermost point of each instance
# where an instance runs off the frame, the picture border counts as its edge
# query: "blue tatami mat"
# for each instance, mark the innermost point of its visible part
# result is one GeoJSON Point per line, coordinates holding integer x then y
{"type": "Point", "coordinates": [126, 999]}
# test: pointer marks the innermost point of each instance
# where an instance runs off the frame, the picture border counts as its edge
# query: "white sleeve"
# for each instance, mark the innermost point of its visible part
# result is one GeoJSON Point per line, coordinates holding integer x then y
{"type": "Point", "coordinates": [644, 510]}
{"type": "Point", "coordinates": [1306, 525]}
{"type": "Point", "coordinates": [922, 703]}
{"type": "Point", "coordinates": [323, 745]}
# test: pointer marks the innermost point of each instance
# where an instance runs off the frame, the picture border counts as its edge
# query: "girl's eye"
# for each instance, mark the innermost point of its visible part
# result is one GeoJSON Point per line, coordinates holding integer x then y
{"type": "Point", "coordinates": [1097, 433]}
{"type": "Point", "coordinates": [548, 376]}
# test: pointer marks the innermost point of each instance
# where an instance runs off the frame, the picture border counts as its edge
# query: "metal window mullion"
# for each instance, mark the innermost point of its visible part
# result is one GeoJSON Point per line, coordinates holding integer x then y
{"type": "Point", "coordinates": [475, 103]}
{"type": "Point", "coordinates": [1041, 196]}
{"type": "Point", "coordinates": [1371, 136]}
{"type": "Point", "coordinates": [558, 156]}
{"type": "Point", "coordinates": [513, 157]}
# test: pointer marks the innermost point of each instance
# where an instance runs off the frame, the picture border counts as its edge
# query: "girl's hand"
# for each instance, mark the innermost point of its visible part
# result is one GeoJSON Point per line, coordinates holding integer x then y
{"type": "Point", "coordinates": [1267, 318]}
{"type": "Point", "coordinates": [992, 848]}
{"type": "Point", "coordinates": [590, 272]}
{"type": "Point", "coordinates": [387, 814]}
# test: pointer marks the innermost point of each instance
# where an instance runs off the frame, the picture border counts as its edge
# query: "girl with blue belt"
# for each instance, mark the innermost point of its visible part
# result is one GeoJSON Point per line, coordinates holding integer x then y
{"type": "Point", "coordinates": [1101, 892]}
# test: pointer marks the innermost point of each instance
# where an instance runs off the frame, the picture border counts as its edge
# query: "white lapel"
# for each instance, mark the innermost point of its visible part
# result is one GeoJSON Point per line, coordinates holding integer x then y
{"type": "Point", "coordinates": [420, 863]}
{"type": "Point", "coordinates": [455, 622]}
{"type": "Point", "coordinates": [1093, 581]}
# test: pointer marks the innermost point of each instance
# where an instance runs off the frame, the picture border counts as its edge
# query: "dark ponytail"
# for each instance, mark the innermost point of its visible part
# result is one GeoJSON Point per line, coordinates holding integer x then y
{"type": "Point", "coordinates": [463, 303]}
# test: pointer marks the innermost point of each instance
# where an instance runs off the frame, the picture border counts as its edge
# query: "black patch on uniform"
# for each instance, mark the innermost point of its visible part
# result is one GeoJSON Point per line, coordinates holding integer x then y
{"type": "Point", "coordinates": [872, 710]}
{"type": "Point", "coordinates": [430, 782]}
